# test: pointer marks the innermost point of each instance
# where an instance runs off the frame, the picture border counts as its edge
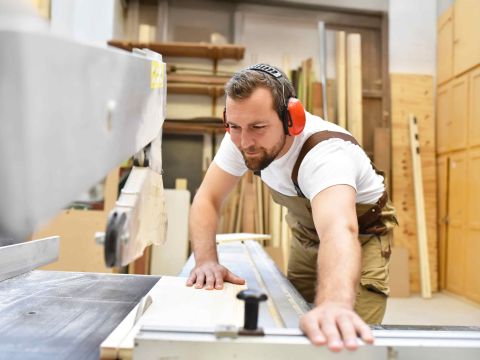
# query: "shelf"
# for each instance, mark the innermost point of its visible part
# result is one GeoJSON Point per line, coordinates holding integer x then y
{"type": "Point", "coordinates": [198, 125]}
{"type": "Point", "coordinates": [197, 79]}
{"type": "Point", "coordinates": [186, 49]}
{"type": "Point", "coordinates": [193, 89]}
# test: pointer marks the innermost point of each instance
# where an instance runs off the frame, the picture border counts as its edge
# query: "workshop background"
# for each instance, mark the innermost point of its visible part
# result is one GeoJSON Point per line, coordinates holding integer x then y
{"type": "Point", "coordinates": [369, 65]}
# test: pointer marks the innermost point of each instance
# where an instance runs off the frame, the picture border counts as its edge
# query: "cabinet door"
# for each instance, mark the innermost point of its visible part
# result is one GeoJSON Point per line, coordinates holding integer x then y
{"type": "Point", "coordinates": [445, 46]}
{"type": "Point", "coordinates": [466, 27]}
{"type": "Point", "coordinates": [472, 241]}
{"type": "Point", "coordinates": [457, 131]}
{"type": "Point", "coordinates": [444, 116]}
{"type": "Point", "coordinates": [442, 206]}
{"type": "Point", "coordinates": [456, 226]}
{"type": "Point", "coordinates": [474, 115]}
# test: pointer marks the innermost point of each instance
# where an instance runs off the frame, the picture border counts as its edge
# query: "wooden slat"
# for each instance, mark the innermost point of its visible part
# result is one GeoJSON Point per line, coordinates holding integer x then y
{"type": "Point", "coordinates": [414, 93]}
{"type": "Point", "coordinates": [420, 208]}
{"type": "Point", "coordinates": [185, 49]}
{"type": "Point", "coordinates": [340, 69]}
{"type": "Point", "coordinates": [354, 87]}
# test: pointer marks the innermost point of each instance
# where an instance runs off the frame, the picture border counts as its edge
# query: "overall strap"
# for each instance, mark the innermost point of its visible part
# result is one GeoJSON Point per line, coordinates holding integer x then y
{"type": "Point", "coordinates": [313, 140]}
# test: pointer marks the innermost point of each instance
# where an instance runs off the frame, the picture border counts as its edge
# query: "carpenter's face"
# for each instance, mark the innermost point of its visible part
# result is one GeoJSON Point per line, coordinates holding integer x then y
{"type": "Point", "coordinates": [256, 129]}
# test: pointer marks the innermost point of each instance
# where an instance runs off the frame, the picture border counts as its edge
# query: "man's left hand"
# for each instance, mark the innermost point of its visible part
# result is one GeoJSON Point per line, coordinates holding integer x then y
{"type": "Point", "coordinates": [335, 325]}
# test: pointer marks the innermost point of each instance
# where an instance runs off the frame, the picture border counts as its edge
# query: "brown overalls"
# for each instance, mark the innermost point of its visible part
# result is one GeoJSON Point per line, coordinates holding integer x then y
{"type": "Point", "coordinates": [375, 222]}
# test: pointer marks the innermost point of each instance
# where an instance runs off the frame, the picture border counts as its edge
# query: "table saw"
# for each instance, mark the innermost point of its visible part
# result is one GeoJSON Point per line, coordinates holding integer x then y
{"type": "Point", "coordinates": [70, 113]}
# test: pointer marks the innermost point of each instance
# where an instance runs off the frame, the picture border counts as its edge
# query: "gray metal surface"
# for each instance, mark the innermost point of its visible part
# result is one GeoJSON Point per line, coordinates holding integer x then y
{"type": "Point", "coordinates": [249, 261]}
{"type": "Point", "coordinates": [64, 315]}
{"type": "Point", "coordinates": [70, 112]}
{"type": "Point", "coordinates": [456, 343]}
{"type": "Point", "coordinates": [19, 258]}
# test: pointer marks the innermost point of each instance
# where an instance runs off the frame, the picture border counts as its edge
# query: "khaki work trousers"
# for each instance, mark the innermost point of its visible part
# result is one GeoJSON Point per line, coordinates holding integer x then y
{"type": "Point", "coordinates": [373, 290]}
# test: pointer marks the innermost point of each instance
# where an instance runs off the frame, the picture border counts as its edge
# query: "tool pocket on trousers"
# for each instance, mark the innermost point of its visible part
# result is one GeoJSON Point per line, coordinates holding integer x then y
{"type": "Point", "coordinates": [375, 263]}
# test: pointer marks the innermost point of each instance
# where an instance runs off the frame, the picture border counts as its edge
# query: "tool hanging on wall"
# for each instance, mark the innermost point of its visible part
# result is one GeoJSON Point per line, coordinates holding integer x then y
{"type": "Point", "coordinates": [420, 208]}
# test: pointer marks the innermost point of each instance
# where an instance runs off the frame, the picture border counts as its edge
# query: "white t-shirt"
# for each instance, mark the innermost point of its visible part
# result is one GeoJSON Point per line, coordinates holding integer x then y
{"type": "Point", "coordinates": [331, 162]}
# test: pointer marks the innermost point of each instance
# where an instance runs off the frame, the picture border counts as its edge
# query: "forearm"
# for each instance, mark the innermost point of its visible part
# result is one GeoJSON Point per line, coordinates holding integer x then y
{"type": "Point", "coordinates": [202, 226]}
{"type": "Point", "coordinates": [338, 266]}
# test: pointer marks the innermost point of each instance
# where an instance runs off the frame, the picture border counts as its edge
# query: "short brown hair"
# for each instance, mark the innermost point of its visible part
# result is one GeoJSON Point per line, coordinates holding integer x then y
{"type": "Point", "coordinates": [244, 82]}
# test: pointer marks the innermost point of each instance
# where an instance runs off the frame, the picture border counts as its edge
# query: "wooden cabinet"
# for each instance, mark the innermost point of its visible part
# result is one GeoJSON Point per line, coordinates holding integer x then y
{"type": "Point", "coordinates": [466, 27]}
{"type": "Point", "coordinates": [456, 228]}
{"type": "Point", "coordinates": [472, 240]}
{"type": "Point", "coordinates": [458, 148]}
{"type": "Point", "coordinates": [445, 46]}
{"type": "Point", "coordinates": [474, 114]}
{"type": "Point", "coordinates": [444, 117]}
{"type": "Point", "coordinates": [457, 129]}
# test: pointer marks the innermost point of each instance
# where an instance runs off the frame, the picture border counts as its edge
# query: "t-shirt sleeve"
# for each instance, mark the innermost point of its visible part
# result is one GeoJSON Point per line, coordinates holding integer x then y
{"type": "Point", "coordinates": [229, 158]}
{"type": "Point", "coordinates": [327, 164]}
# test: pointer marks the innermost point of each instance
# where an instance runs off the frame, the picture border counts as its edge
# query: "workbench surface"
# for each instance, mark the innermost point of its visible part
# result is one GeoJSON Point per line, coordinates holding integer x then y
{"type": "Point", "coordinates": [64, 315]}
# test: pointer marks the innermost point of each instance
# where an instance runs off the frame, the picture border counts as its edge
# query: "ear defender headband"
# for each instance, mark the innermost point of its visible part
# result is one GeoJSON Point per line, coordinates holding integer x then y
{"type": "Point", "coordinates": [292, 114]}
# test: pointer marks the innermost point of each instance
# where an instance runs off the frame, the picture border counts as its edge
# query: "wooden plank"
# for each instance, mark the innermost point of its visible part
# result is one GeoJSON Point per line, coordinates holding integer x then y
{"type": "Point", "coordinates": [414, 93]}
{"type": "Point", "coordinates": [420, 208]}
{"type": "Point", "coordinates": [259, 222]}
{"type": "Point", "coordinates": [317, 99]}
{"type": "Point", "coordinates": [331, 100]}
{"type": "Point", "coordinates": [173, 304]}
{"type": "Point", "coordinates": [354, 87]}
{"type": "Point", "coordinates": [186, 49]}
{"type": "Point", "coordinates": [249, 204]}
{"type": "Point", "coordinates": [286, 236]}
{"type": "Point", "coordinates": [340, 70]}
{"type": "Point", "coordinates": [381, 151]}
{"type": "Point", "coordinates": [168, 258]}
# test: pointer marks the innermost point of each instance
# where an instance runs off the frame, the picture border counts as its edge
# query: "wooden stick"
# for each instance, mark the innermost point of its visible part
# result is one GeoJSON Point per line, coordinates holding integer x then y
{"type": "Point", "coordinates": [341, 79]}
{"type": "Point", "coordinates": [354, 86]}
{"type": "Point", "coordinates": [420, 208]}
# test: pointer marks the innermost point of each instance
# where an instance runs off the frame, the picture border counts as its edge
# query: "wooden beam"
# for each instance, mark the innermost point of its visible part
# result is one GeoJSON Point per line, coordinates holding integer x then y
{"type": "Point", "coordinates": [340, 70]}
{"type": "Point", "coordinates": [354, 87]}
{"type": "Point", "coordinates": [420, 209]}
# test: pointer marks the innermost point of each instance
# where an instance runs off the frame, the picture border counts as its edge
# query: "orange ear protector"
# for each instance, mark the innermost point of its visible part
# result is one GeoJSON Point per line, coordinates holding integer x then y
{"type": "Point", "coordinates": [293, 114]}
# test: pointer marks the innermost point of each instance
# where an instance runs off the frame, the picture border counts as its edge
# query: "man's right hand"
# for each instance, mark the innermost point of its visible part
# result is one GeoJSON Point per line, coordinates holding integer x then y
{"type": "Point", "coordinates": [212, 275]}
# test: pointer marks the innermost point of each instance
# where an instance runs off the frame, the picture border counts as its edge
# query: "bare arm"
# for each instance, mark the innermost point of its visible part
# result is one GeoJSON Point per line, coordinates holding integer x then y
{"type": "Point", "coordinates": [203, 221]}
{"type": "Point", "coordinates": [338, 269]}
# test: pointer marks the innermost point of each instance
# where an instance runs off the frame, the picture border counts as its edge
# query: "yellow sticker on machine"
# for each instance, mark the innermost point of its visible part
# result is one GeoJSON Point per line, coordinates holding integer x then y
{"type": "Point", "coordinates": [156, 75]}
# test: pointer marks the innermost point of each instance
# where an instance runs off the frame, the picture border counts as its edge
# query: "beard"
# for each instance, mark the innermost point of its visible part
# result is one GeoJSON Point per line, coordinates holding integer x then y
{"type": "Point", "coordinates": [262, 157]}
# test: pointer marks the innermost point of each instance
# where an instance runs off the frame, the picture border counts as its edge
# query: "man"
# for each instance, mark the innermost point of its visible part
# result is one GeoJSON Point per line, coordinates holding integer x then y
{"type": "Point", "coordinates": [331, 189]}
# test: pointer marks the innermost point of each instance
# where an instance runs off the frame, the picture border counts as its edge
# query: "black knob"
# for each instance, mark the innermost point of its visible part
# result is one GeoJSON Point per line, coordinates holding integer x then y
{"type": "Point", "coordinates": [252, 299]}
